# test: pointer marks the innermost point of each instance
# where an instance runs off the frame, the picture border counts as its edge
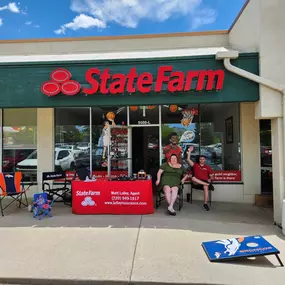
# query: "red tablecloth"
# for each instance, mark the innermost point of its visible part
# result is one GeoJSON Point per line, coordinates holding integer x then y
{"type": "Point", "coordinates": [112, 197]}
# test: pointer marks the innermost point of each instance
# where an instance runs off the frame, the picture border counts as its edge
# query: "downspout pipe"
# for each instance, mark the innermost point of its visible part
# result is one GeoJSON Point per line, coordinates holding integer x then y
{"type": "Point", "coordinates": [226, 56]}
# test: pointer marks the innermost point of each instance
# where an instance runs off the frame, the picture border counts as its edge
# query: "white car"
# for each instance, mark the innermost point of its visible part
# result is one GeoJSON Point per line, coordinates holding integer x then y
{"type": "Point", "coordinates": [64, 160]}
{"type": "Point", "coordinates": [73, 148]}
{"type": "Point", "coordinates": [84, 146]}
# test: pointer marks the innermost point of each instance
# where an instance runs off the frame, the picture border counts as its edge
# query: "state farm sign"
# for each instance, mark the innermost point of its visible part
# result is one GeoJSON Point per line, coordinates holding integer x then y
{"type": "Point", "coordinates": [104, 82]}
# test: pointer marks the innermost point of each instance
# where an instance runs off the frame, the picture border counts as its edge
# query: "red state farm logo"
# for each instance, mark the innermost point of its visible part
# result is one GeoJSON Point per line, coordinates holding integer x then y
{"type": "Point", "coordinates": [60, 83]}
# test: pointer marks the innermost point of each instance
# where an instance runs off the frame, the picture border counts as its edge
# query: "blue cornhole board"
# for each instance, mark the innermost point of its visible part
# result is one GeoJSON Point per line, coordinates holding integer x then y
{"type": "Point", "coordinates": [235, 248]}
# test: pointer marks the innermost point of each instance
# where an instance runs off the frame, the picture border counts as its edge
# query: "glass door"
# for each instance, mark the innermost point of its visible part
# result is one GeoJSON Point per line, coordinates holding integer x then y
{"type": "Point", "coordinates": [120, 151]}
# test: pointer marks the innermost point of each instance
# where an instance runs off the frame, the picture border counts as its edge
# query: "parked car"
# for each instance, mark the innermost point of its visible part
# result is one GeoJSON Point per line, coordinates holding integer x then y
{"type": "Point", "coordinates": [83, 146]}
{"type": "Point", "coordinates": [84, 159]}
{"type": "Point", "coordinates": [216, 150]}
{"type": "Point", "coordinates": [76, 151]}
{"type": "Point", "coordinates": [64, 160]}
{"type": "Point", "coordinates": [12, 156]}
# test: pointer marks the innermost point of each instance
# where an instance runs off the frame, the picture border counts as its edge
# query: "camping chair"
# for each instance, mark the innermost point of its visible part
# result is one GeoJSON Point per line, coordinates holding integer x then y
{"type": "Point", "coordinates": [41, 206]}
{"type": "Point", "coordinates": [12, 186]}
{"type": "Point", "coordinates": [201, 188]}
{"type": "Point", "coordinates": [159, 197]}
{"type": "Point", "coordinates": [198, 187]}
{"type": "Point", "coordinates": [57, 190]}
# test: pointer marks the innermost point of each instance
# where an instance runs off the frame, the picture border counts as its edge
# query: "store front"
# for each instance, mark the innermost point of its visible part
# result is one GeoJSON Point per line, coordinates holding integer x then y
{"type": "Point", "coordinates": [57, 112]}
{"type": "Point", "coordinates": [140, 133]}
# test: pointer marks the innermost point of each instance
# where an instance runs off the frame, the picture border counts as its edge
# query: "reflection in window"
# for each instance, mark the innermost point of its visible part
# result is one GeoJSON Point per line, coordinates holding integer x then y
{"type": "Point", "coordinates": [19, 141]}
{"type": "Point", "coordinates": [220, 135]}
{"type": "Point", "coordinates": [73, 142]}
{"type": "Point", "coordinates": [182, 120]}
{"type": "Point", "coordinates": [266, 156]}
{"type": "Point", "coordinates": [103, 138]}
{"type": "Point", "coordinates": [72, 139]}
{"type": "Point", "coordinates": [213, 130]}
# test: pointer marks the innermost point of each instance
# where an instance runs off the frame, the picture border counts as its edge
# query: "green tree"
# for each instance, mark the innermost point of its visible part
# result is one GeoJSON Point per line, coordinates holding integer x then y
{"type": "Point", "coordinates": [207, 134]}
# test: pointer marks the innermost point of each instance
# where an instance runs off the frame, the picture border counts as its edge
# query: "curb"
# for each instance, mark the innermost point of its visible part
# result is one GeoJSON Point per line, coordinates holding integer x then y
{"type": "Point", "coordinates": [31, 281]}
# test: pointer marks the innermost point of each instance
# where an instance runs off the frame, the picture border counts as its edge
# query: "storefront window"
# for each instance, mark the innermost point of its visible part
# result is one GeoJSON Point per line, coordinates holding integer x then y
{"type": "Point", "coordinates": [116, 139]}
{"type": "Point", "coordinates": [213, 130]}
{"type": "Point", "coordinates": [76, 147]}
{"type": "Point", "coordinates": [220, 139]}
{"type": "Point", "coordinates": [72, 139]}
{"type": "Point", "coordinates": [20, 142]}
{"type": "Point", "coordinates": [266, 156]}
{"type": "Point", "coordinates": [183, 121]}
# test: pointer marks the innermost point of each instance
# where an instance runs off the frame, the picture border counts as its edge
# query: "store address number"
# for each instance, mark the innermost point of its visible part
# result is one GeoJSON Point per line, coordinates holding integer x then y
{"type": "Point", "coordinates": [143, 122]}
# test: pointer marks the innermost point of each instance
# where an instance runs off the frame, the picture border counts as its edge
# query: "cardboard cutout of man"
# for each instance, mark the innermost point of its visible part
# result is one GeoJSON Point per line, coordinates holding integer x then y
{"type": "Point", "coordinates": [173, 147]}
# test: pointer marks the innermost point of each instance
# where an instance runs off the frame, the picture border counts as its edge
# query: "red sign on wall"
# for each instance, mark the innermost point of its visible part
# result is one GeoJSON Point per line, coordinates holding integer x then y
{"type": "Point", "coordinates": [104, 82]}
{"type": "Point", "coordinates": [227, 176]}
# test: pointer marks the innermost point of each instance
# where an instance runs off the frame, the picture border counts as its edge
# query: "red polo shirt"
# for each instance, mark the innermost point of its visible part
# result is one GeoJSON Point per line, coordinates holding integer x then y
{"type": "Point", "coordinates": [202, 172]}
{"type": "Point", "coordinates": [169, 150]}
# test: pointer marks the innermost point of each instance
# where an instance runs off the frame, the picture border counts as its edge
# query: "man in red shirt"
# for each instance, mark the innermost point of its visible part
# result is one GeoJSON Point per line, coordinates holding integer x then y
{"type": "Point", "coordinates": [202, 175]}
{"type": "Point", "coordinates": [173, 147]}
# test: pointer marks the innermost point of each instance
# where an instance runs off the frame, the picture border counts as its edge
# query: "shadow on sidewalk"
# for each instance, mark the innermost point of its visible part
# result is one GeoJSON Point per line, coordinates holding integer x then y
{"type": "Point", "coordinates": [226, 218]}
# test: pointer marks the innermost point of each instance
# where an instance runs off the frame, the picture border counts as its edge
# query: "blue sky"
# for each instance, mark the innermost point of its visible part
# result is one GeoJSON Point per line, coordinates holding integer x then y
{"type": "Point", "coordinates": [76, 18]}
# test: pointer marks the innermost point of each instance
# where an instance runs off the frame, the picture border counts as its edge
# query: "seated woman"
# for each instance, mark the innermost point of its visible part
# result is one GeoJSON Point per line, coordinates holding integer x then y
{"type": "Point", "coordinates": [170, 175]}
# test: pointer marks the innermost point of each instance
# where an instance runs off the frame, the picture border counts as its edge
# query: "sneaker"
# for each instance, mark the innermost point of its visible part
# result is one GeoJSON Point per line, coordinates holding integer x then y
{"type": "Point", "coordinates": [171, 211]}
{"type": "Point", "coordinates": [206, 207]}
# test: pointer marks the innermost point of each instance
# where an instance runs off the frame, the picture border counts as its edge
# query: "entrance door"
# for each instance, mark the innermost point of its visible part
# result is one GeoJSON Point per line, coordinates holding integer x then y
{"type": "Point", "coordinates": [145, 150]}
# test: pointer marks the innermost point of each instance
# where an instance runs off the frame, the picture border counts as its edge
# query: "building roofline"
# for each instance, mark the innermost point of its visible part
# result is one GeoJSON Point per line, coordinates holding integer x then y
{"type": "Point", "coordinates": [127, 37]}
{"type": "Point", "coordinates": [239, 15]}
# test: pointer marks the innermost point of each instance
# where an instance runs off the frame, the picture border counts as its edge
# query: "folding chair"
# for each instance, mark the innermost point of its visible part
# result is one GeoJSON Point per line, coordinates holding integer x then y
{"type": "Point", "coordinates": [56, 190]}
{"type": "Point", "coordinates": [159, 197]}
{"type": "Point", "coordinates": [41, 206]}
{"type": "Point", "coordinates": [189, 196]}
{"type": "Point", "coordinates": [12, 186]}
{"type": "Point", "coordinates": [201, 188]}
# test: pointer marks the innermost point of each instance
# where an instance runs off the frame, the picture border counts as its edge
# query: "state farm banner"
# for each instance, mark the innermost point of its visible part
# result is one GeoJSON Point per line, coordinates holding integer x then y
{"type": "Point", "coordinates": [227, 175]}
{"type": "Point", "coordinates": [112, 197]}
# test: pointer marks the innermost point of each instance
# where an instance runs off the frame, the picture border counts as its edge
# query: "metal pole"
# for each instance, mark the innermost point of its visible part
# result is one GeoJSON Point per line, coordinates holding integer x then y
{"type": "Point", "coordinates": [90, 140]}
{"type": "Point", "coordinates": [160, 135]}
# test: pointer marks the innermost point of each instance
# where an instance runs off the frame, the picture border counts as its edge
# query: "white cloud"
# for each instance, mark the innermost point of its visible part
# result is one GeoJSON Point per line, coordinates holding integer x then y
{"type": "Point", "coordinates": [12, 7]}
{"type": "Point", "coordinates": [30, 23]}
{"type": "Point", "coordinates": [81, 22]}
{"type": "Point", "coordinates": [129, 13]}
{"type": "Point", "coordinates": [1, 22]}
{"type": "Point", "coordinates": [204, 17]}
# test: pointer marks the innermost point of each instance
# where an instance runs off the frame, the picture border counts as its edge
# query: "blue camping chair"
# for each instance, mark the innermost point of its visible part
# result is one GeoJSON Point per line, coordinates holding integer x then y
{"type": "Point", "coordinates": [41, 206]}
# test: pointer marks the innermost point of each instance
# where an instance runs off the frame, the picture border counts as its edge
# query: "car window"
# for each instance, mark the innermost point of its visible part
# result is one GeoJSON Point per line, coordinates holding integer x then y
{"type": "Point", "coordinates": [26, 152]}
{"type": "Point", "coordinates": [33, 155]}
{"type": "Point", "coordinates": [62, 154]}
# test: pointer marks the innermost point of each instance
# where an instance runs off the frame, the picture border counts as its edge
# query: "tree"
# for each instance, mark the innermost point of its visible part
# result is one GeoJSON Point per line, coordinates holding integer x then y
{"type": "Point", "coordinates": [207, 134]}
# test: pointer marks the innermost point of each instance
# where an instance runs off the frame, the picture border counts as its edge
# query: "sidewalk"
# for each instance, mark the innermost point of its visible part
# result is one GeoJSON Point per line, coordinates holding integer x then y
{"type": "Point", "coordinates": [70, 249]}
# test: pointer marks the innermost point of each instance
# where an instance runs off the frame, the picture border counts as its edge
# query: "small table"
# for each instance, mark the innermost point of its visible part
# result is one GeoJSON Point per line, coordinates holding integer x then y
{"type": "Point", "coordinates": [112, 197]}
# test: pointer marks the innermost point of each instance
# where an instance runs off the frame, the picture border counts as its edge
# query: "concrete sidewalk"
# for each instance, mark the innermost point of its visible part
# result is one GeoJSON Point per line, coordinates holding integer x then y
{"type": "Point", "coordinates": [70, 249]}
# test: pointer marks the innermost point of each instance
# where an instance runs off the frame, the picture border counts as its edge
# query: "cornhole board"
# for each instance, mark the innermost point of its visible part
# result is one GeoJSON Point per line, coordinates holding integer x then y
{"type": "Point", "coordinates": [241, 247]}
